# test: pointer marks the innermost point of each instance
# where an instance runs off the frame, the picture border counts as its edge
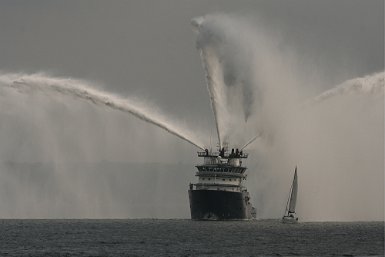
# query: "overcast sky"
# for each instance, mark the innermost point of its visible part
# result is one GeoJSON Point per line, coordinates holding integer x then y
{"type": "Point", "coordinates": [147, 48]}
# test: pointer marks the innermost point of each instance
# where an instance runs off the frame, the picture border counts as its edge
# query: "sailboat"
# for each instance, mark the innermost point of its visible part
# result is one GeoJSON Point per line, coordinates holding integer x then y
{"type": "Point", "coordinates": [290, 215]}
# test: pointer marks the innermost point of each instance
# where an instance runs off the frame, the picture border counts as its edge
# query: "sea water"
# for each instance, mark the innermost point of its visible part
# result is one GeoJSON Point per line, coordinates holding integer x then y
{"type": "Point", "coordinates": [147, 237]}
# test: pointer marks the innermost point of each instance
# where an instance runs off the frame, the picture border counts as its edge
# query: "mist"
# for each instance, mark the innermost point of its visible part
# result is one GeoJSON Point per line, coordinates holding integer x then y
{"type": "Point", "coordinates": [80, 90]}
{"type": "Point", "coordinates": [63, 156]}
{"type": "Point", "coordinates": [337, 145]}
{"type": "Point", "coordinates": [335, 138]}
{"type": "Point", "coordinates": [66, 156]}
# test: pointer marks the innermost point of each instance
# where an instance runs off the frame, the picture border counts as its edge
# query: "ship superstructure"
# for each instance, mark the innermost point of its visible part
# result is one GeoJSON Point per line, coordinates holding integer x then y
{"type": "Point", "coordinates": [219, 193]}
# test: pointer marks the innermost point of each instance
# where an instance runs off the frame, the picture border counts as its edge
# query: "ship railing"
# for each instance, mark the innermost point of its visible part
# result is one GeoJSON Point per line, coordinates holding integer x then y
{"type": "Point", "coordinates": [208, 154]}
{"type": "Point", "coordinates": [221, 169]}
{"type": "Point", "coordinates": [220, 174]}
{"type": "Point", "coordinates": [225, 155]}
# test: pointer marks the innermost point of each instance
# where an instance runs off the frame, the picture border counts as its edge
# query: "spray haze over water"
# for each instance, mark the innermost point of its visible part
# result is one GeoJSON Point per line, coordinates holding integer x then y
{"type": "Point", "coordinates": [64, 142]}
{"type": "Point", "coordinates": [256, 87]}
{"type": "Point", "coordinates": [81, 90]}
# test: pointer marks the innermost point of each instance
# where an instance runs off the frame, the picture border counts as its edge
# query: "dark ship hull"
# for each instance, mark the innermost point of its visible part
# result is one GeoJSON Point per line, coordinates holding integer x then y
{"type": "Point", "coordinates": [220, 205]}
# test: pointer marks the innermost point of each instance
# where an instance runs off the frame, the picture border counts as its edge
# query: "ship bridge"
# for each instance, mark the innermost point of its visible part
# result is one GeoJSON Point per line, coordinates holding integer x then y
{"type": "Point", "coordinates": [221, 170]}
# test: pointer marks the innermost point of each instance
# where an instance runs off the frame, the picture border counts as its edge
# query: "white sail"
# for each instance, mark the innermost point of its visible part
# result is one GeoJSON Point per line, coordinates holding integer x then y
{"type": "Point", "coordinates": [293, 196]}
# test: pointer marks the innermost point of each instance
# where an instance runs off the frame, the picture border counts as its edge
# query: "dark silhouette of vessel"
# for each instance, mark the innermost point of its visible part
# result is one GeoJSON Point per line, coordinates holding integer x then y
{"type": "Point", "coordinates": [220, 193]}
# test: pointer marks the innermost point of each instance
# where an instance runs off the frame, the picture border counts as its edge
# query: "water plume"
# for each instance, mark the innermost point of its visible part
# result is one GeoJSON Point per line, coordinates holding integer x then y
{"type": "Point", "coordinates": [241, 67]}
{"type": "Point", "coordinates": [211, 69]}
{"type": "Point", "coordinates": [81, 90]}
{"type": "Point", "coordinates": [226, 65]}
{"type": "Point", "coordinates": [370, 84]}
{"type": "Point", "coordinates": [337, 140]}
{"type": "Point", "coordinates": [250, 141]}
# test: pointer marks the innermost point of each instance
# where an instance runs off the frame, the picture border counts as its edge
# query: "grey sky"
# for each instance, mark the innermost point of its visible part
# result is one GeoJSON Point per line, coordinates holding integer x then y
{"type": "Point", "coordinates": [147, 48]}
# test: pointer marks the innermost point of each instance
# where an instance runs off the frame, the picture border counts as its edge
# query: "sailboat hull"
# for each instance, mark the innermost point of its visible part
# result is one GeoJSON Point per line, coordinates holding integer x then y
{"type": "Point", "coordinates": [289, 220]}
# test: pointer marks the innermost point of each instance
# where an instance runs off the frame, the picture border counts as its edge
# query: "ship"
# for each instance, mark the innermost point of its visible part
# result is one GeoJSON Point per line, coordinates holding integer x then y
{"type": "Point", "coordinates": [220, 193]}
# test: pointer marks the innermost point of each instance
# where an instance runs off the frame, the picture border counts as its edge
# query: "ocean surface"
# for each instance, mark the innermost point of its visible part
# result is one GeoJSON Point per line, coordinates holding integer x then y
{"type": "Point", "coordinates": [147, 237]}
